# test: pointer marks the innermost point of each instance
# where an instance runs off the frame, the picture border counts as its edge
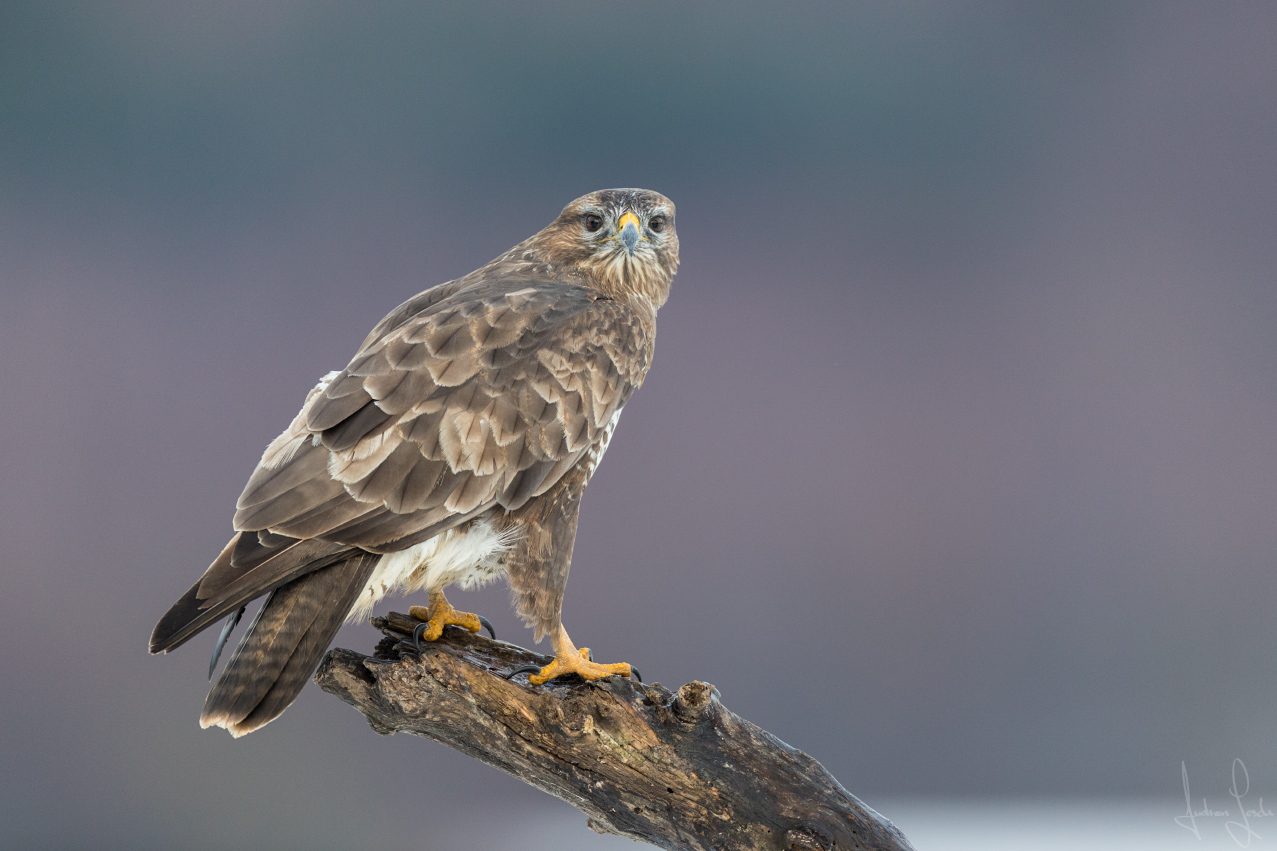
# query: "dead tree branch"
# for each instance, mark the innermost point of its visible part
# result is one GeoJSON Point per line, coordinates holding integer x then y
{"type": "Point", "coordinates": [677, 770]}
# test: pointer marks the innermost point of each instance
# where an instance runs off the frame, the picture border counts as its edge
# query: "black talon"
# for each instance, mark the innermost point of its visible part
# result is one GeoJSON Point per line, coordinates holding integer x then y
{"type": "Point", "coordinates": [487, 624]}
{"type": "Point", "coordinates": [525, 669]}
{"type": "Point", "coordinates": [637, 675]}
{"type": "Point", "coordinates": [416, 637]}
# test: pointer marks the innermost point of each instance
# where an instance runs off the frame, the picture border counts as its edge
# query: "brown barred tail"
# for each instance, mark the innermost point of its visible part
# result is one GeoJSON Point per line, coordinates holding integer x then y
{"type": "Point", "coordinates": [282, 648]}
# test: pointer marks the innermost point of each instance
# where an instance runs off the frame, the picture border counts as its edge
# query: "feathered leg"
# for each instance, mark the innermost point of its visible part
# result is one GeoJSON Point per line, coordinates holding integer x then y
{"type": "Point", "coordinates": [538, 570]}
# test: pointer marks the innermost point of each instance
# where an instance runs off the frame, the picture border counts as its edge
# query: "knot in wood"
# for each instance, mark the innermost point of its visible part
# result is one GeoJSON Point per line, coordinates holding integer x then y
{"type": "Point", "coordinates": [693, 700]}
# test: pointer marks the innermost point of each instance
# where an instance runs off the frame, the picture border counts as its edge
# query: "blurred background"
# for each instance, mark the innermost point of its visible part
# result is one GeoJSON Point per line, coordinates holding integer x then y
{"type": "Point", "coordinates": [957, 466]}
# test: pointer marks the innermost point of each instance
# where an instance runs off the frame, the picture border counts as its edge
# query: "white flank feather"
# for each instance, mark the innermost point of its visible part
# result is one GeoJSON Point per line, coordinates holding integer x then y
{"type": "Point", "coordinates": [471, 558]}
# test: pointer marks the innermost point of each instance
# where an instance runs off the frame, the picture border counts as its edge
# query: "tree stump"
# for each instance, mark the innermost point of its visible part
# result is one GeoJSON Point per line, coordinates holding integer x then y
{"type": "Point", "coordinates": [677, 770]}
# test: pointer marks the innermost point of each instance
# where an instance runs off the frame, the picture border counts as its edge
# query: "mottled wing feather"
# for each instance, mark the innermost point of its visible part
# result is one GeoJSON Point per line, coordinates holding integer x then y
{"type": "Point", "coordinates": [252, 564]}
{"type": "Point", "coordinates": [465, 397]}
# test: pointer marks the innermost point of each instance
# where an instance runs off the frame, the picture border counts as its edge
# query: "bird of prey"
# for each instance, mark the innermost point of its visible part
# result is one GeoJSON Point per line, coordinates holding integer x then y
{"type": "Point", "coordinates": [453, 449]}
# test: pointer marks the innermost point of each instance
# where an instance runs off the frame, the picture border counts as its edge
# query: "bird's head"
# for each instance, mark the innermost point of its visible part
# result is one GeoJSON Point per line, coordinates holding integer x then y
{"type": "Point", "coordinates": [622, 240]}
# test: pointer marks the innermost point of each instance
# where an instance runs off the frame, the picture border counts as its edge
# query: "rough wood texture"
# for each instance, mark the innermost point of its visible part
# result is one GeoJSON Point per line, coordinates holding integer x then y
{"type": "Point", "coordinates": [678, 770]}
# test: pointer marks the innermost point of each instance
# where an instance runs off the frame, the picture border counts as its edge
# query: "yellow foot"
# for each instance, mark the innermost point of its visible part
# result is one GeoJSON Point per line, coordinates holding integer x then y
{"type": "Point", "coordinates": [440, 614]}
{"type": "Point", "coordinates": [579, 663]}
{"type": "Point", "coordinates": [569, 660]}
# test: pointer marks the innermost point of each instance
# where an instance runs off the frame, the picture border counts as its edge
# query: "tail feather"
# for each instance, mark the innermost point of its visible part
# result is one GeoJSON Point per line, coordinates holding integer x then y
{"type": "Point", "coordinates": [282, 648]}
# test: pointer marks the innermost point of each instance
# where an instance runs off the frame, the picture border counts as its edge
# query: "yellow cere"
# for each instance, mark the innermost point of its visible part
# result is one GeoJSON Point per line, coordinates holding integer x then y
{"type": "Point", "coordinates": [628, 218]}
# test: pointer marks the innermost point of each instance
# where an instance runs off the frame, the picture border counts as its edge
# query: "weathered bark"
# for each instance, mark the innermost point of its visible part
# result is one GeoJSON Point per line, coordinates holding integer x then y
{"type": "Point", "coordinates": [680, 771]}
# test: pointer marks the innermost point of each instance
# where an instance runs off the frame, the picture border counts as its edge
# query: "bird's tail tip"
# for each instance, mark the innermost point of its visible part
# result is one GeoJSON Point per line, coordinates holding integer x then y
{"type": "Point", "coordinates": [228, 721]}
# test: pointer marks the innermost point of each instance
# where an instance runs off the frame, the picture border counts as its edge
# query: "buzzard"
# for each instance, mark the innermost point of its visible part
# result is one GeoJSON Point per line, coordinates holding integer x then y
{"type": "Point", "coordinates": [453, 449]}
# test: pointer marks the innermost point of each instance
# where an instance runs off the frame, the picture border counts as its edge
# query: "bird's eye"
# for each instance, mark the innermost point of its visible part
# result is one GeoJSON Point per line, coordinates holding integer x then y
{"type": "Point", "coordinates": [593, 222]}
{"type": "Point", "coordinates": [657, 224]}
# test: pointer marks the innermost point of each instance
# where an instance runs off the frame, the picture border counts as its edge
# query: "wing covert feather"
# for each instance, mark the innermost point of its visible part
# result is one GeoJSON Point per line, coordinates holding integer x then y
{"type": "Point", "coordinates": [463, 398]}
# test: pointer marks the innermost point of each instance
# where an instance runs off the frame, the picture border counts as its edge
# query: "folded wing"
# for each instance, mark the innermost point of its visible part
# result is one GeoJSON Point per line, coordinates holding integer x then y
{"type": "Point", "coordinates": [485, 397]}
